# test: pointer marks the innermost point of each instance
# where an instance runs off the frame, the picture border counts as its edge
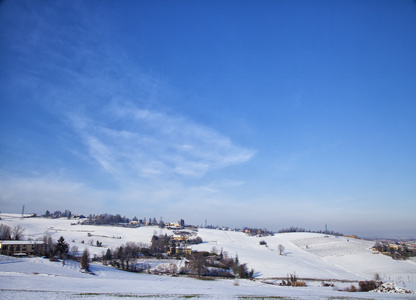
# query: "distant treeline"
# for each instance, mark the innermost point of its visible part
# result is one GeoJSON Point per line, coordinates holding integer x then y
{"type": "Point", "coordinates": [58, 214]}
{"type": "Point", "coordinates": [300, 229]}
{"type": "Point", "coordinates": [109, 219]}
{"type": "Point", "coordinates": [105, 219]}
{"type": "Point", "coordinates": [101, 219]}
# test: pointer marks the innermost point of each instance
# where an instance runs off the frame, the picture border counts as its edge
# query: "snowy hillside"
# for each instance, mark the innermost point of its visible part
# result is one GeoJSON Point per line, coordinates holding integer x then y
{"type": "Point", "coordinates": [324, 257]}
{"type": "Point", "coordinates": [38, 278]}
{"type": "Point", "coordinates": [309, 255]}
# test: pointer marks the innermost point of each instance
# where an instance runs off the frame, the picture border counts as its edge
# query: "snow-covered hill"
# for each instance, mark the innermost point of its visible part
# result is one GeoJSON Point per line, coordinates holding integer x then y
{"type": "Point", "coordinates": [308, 255]}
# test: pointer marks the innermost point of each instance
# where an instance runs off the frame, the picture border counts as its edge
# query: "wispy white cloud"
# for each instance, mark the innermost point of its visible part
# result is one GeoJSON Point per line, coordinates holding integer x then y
{"type": "Point", "coordinates": [90, 81]}
{"type": "Point", "coordinates": [143, 143]}
{"type": "Point", "coordinates": [113, 107]}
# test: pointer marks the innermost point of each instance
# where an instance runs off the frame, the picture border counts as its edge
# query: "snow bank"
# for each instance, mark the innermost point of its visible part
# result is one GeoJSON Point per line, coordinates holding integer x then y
{"type": "Point", "coordinates": [391, 288]}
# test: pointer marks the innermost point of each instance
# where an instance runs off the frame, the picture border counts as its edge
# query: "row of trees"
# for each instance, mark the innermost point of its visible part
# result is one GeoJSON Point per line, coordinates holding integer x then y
{"type": "Point", "coordinates": [213, 264]}
{"type": "Point", "coordinates": [8, 233]}
{"type": "Point", "coordinates": [58, 214]}
{"type": "Point", "coordinates": [105, 219]}
{"type": "Point", "coordinates": [109, 219]}
{"type": "Point", "coordinates": [300, 229]}
{"type": "Point", "coordinates": [125, 256]}
{"type": "Point", "coordinates": [60, 249]}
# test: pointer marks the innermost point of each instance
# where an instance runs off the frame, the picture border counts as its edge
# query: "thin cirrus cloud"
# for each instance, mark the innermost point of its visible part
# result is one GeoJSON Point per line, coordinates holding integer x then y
{"type": "Point", "coordinates": [141, 143]}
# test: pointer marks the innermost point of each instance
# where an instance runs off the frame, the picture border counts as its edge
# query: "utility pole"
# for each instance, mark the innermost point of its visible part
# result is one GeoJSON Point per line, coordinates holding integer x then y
{"type": "Point", "coordinates": [23, 210]}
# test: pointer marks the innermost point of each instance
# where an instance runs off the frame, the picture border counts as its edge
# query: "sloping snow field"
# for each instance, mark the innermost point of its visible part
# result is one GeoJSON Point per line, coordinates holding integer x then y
{"type": "Point", "coordinates": [308, 255]}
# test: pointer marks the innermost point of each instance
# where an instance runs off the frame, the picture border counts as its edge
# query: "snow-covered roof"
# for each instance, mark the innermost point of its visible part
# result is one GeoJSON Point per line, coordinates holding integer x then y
{"type": "Point", "coordinates": [22, 242]}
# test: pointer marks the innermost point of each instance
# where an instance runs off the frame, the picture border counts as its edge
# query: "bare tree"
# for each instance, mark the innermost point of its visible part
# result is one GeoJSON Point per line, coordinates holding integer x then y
{"type": "Point", "coordinates": [49, 244]}
{"type": "Point", "coordinates": [214, 250]}
{"type": "Point", "coordinates": [5, 232]}
{"type": "Point", "coordinates": [74, 250]}
{"type": "Point", "coordinates": [131, 253]}
{"type": "Point", "coordinates": [281, 249]}
{"type": "Point", "coordinates": [197, 263]}
{"type": "Point", "coordinates": [17, 233]}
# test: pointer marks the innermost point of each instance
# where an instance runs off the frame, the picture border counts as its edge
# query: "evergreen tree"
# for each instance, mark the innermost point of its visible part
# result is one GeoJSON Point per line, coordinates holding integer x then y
{"type": "Point", "coordinates": [85, 260]}
{"type": "Point", "coordinates": [108, 255]}
{"type": "Point", "coordinates": [236, 264]}
{"type": "Point", "coordinates": [61, 247]}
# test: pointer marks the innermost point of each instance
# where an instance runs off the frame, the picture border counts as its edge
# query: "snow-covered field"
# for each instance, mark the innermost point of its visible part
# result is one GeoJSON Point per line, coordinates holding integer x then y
{"type": "Point", "coordinates": [309, 255]}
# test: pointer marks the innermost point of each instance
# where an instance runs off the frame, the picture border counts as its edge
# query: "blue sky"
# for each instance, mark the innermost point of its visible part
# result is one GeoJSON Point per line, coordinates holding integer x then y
{"type": "Point", "coordinates": [245, 113]}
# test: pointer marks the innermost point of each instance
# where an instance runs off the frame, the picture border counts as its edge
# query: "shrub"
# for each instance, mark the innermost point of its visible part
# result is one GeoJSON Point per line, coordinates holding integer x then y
{"type": "Point", "coordinates": [54, 259]}
{"type": "Point", "coordinates": [327, 284]}
{"type": "Point", "coordinates": [352, 289]}
{"type": "Point", "coordinates": [299, 283]}
{"type": "Point", "coordinates": [368, 285]}
{"type": "Point", "coordinates": [292, 280]}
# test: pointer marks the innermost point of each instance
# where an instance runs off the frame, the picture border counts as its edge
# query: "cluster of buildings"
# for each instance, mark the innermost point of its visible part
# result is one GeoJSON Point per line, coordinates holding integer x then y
{"type": "Point", "coordinates": [395, 249]}
{"type": "Point", "coordinates": [179, 245]}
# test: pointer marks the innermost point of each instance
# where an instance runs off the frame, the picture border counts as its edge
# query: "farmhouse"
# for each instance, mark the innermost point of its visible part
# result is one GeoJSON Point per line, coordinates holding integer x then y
{"type": "Point", "coordinates": [173, 225]}
{"type": "Point", "coordinates": [22, 248]}
{"type": "Point", "coordinates": [179, 250]}
{"type": "Point", "coordinates": [181, 238]}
